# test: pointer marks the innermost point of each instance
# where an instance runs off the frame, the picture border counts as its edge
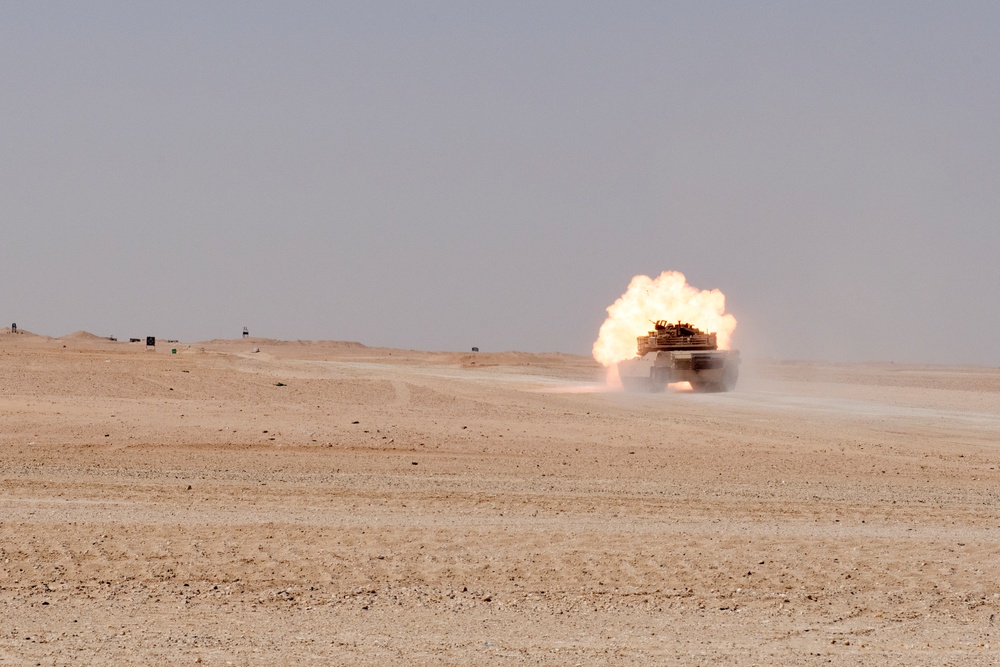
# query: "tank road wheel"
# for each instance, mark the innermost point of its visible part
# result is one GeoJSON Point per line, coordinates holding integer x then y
{"type": "Point", "coordinates": [658, 378]}
{"type": "Point", "coordinates": [706, 387]}
{"type": "Point", "coordinates": [727, 383]}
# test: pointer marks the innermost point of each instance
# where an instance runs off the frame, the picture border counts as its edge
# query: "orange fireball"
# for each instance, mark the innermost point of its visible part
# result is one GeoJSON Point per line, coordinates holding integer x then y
{"type": "Point", "coordinates": [667, 297]}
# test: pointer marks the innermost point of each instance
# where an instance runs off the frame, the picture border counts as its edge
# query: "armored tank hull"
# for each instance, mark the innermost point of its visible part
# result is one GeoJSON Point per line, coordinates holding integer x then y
{"type": "Point", "coordinates": [680, 353]}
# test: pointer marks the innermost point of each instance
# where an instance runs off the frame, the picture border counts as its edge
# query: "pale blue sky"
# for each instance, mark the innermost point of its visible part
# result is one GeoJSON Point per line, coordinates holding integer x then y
{"type": "Point", "coordinates": [438, 175]}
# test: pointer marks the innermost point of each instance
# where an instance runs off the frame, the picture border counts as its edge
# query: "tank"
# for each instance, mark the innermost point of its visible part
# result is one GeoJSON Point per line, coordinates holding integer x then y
{"type": "Point", "coordinates": [679, 353]}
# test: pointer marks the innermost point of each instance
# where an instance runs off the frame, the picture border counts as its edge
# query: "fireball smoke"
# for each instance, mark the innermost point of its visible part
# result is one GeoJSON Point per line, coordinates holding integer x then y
{"type": "Point", "coordinates": [667, 297]}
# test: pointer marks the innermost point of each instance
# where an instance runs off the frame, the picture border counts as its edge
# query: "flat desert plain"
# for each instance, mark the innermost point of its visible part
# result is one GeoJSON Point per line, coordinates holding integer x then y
{"type": "Point", "coordinates": [330, 503]}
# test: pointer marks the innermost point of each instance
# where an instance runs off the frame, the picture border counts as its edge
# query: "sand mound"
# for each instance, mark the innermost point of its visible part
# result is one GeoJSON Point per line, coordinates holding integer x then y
{"type": "Point", "coordinates": [335, 344]}
{"type": "Point", "coordinates": [22, 332]}
{"type": "Point", "coordinates": [82, 336]}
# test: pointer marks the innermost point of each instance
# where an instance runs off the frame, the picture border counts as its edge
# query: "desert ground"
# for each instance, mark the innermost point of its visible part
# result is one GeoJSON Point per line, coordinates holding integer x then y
{"type": "Point", "coordinates": [331, 503]}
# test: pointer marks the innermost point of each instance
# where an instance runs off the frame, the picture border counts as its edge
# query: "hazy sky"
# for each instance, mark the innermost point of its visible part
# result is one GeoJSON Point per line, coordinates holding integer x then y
{"type": "Point", "coordinates": [438, 175]}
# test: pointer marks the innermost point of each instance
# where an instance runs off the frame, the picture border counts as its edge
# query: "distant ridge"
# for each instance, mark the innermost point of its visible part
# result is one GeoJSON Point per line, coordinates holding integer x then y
{"type": "Point", "coordinates": [274, 341]}
{"type": "Point", "coordinates": [82, 336]}
{"type": "Point", "coordinates": [22, 332]}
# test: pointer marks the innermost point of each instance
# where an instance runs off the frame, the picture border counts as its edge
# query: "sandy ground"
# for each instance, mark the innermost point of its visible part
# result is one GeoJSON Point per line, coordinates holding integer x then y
{"type": "Point", "coordinates": [327, 503]}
